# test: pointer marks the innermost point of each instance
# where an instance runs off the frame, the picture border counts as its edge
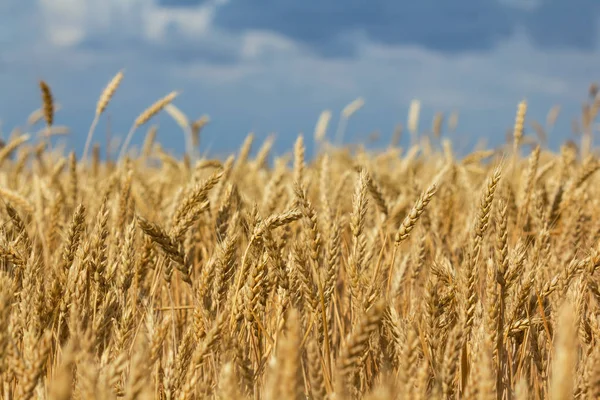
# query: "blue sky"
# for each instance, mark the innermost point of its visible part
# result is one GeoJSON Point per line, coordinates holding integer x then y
{"type": "Point", "coordinates": [271, 66]}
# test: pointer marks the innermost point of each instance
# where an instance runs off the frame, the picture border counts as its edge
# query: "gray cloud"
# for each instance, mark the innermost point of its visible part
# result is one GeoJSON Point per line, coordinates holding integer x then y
{"type": "Point", "coordinates": [562, 23]}
{"type": "Point", "coordinates": [175, 48]}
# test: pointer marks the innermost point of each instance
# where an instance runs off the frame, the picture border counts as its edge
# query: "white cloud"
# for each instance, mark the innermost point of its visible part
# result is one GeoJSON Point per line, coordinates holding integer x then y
{"type": "Point", "coordinates": [258, 43]}
{"type": "Point", "coordinates": [64, 21]}
{"type": "Point", "coordinates": [191, 22]}
{"type": "Point", "coordinates": [68, 22]}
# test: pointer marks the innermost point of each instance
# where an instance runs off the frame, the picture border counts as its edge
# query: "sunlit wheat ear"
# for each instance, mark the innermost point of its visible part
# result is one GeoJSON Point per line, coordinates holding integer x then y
{"type": "Point", "coordinates": [154, 109]}
{"type": "Point", "coordinates": [7, 150]}
{"type": "Point", "coordinates": [62, 383]}
{"type": "Point", "coordinates": [37, 115]}
{"type": "Point", "coordinates": [565, 354]}
{"type": "Point", "coordinates": [321, 127]}
{"type": "Point", "coordinates": [552, 117]}
{"type": "Point", "coordinates": [299, 150]}
{"type": "Point", "coordinates": [347, 112]}
{"type": "Point", "coordinates": [396, 136]}
{"type": "Point", "coordinates": [55, 130]}
{"type": "Point", "coordinates": [589, 114]}
{"type": "Point", "coordinates": [436, 128]}
{"type": "Point", "coordinates": [413, 119]}
{"type": "Point", "coordinates": [109, 92]}
{"type": "Point", "coordinates": [178, 116]}
{"type": "Point", "coordinates": [228, 385]}
{"type": "Point", "coordinates": [47, 103]}
{"type": "Point", "coordinates": [244, 151]}
{"type": "Point", "coordinates": [197, 127]}
{"type": "Point", "coordinates": [145, 117]}
{"type": "Point", "coordinates": [413, 216]}
{"type": "Point", "coordinates": [184, 123]}
{"type": "Point", "coordinates": [518, 129]}
{"type": "Point", "coordinates": [353, 107]}
{"type": "Point", "coordinates": [453, 122]}
{"type": "Point", "coordinates": [149, 141]}
{"type": "Point", "coordinates": [103, 101]}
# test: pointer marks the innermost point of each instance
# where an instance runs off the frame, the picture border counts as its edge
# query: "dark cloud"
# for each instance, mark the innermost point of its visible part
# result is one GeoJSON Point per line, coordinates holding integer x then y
{"type": "Point", "coordinates": [447, 26]}
{"type": "Point", "coordinates": [562, 23]}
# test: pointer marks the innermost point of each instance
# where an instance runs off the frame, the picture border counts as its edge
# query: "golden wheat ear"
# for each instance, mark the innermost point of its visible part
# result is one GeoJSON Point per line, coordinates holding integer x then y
{"type": "Point", "coordinates": [105, 97]}
{"type": "Point", "coordinates": [144, 117]}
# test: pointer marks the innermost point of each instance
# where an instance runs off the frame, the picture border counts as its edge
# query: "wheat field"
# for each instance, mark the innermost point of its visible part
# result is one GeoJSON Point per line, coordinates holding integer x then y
{"type": "Point", "coordinates": [393, 274]}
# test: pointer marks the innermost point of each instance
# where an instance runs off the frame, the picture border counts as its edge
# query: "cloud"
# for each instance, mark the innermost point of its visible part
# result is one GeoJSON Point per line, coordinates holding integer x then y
{"type": "Point", "coordinates": [557, 23]}
{"type": "Point", "coordinates": [267, 78]}
{"type": "Point", "coordinates": [448, 26]}
{"type": "Point", "coordinates": [179, 3]}
{"type": "Point", "coordinates": [180, 33]}
{"type": "Point", "coordinates": [211, 30]}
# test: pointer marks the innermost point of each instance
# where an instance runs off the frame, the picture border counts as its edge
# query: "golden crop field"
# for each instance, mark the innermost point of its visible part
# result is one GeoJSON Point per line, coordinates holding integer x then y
{"type": "Point", "coordinates": [394, 274]}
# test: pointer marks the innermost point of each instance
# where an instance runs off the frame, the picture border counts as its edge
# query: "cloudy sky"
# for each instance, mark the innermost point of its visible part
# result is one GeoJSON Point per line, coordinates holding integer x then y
{"type": "Point", "coordinates": [271, 66]}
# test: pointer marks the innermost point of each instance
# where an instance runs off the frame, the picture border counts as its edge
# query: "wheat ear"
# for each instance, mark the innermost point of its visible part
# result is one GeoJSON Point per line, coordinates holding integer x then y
{"type": "Point", "coordinates": [48, 103]}
{"type": "Point", "coordinates": [103, 101]}
{"type": "Point", "coordinates": [145, 117]}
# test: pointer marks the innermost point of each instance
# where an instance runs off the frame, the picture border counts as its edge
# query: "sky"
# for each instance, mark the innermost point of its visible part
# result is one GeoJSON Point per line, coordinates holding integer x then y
{"type": "Point", "coordinates": [272, 66]}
